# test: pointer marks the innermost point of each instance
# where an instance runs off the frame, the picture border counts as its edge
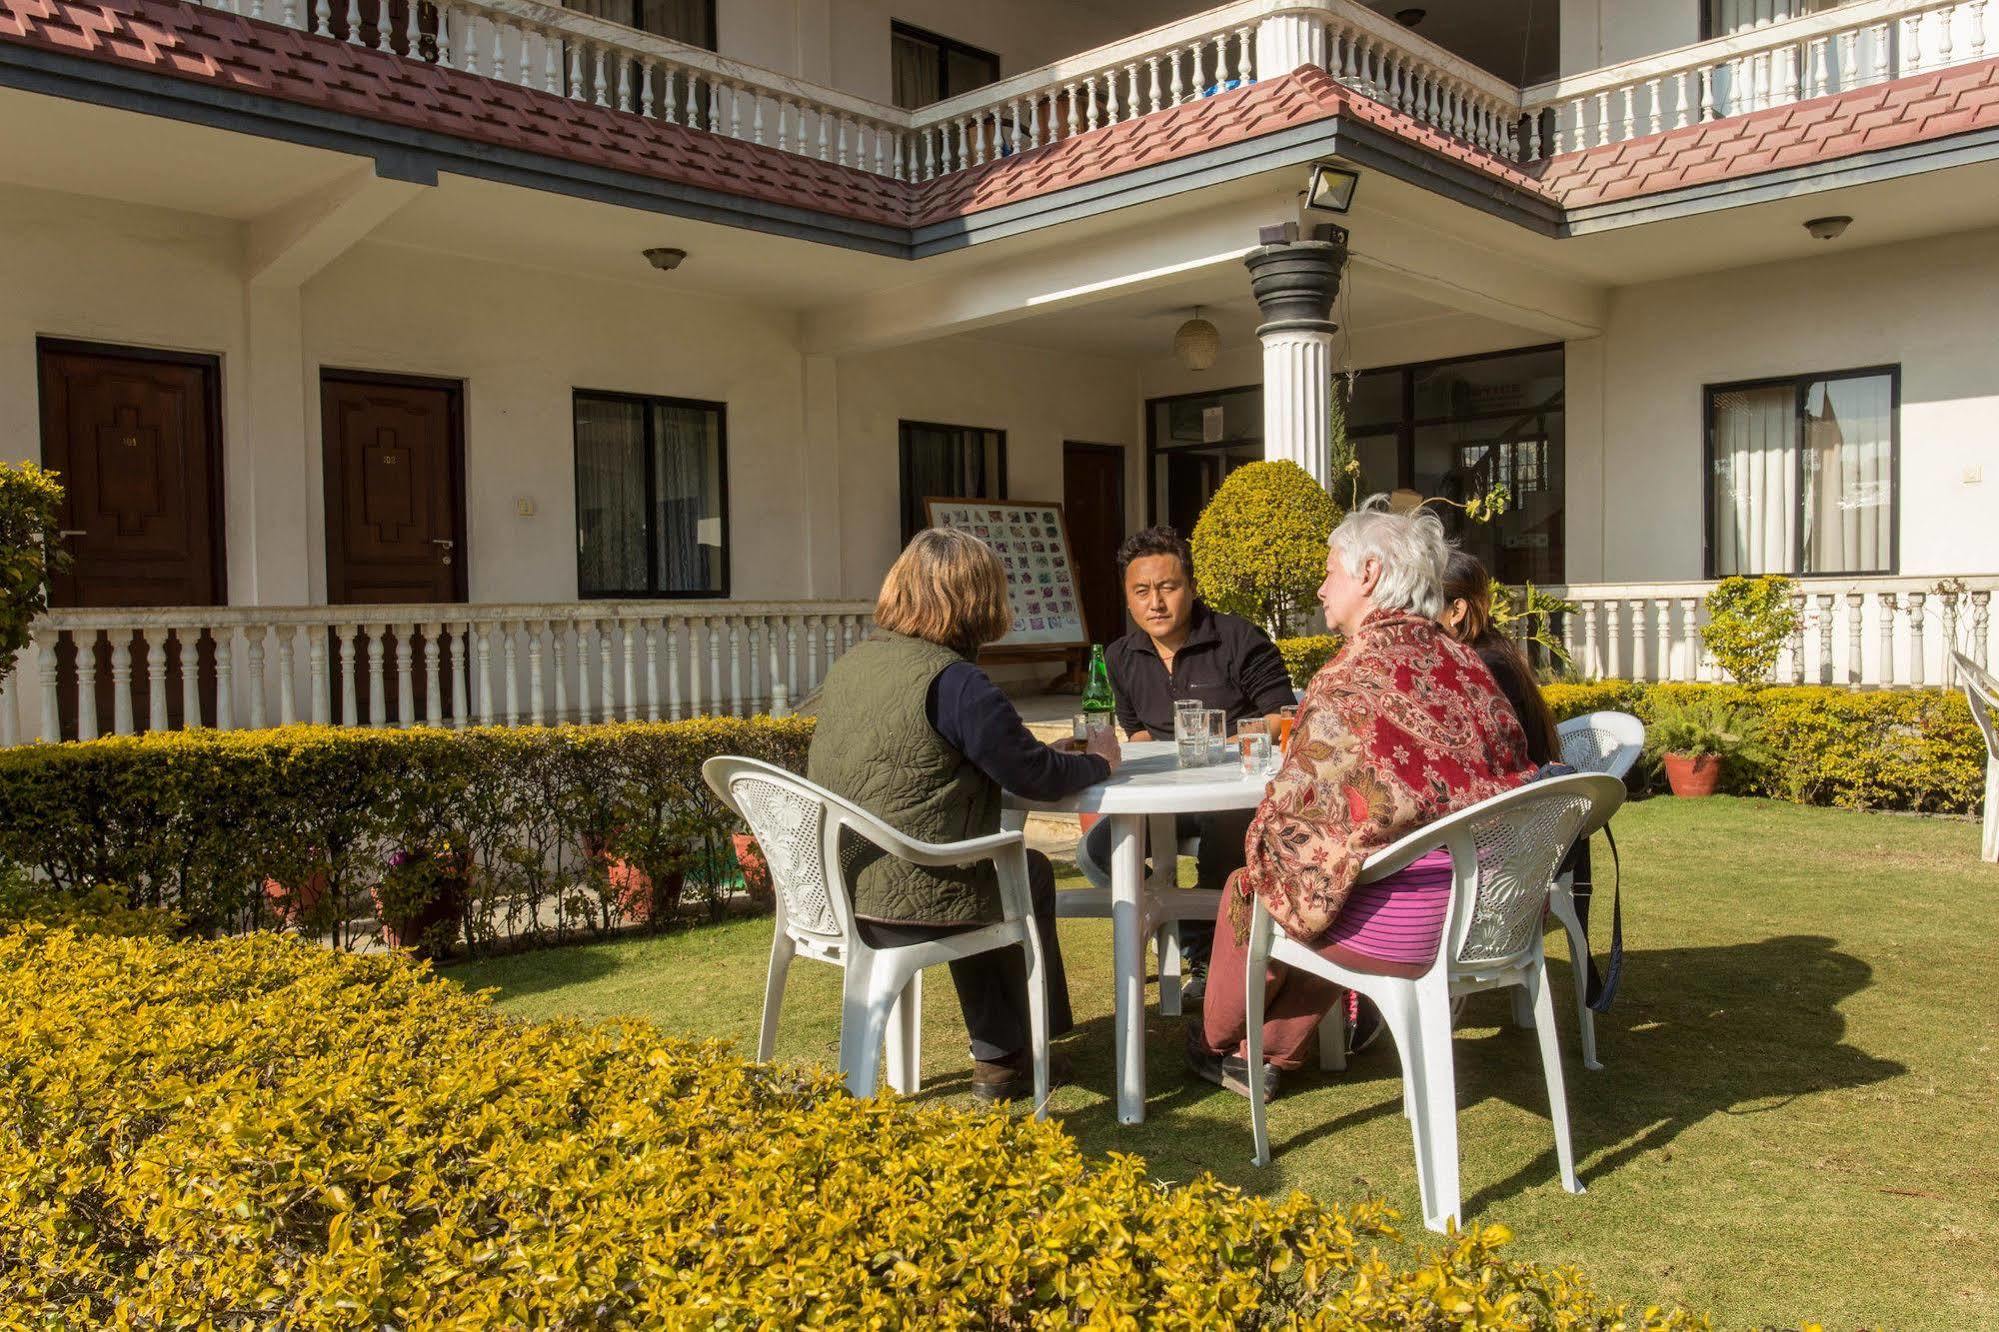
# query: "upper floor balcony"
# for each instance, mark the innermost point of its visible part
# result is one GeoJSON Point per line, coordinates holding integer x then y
{"type": "Point", "coordinates": [1772, 53]}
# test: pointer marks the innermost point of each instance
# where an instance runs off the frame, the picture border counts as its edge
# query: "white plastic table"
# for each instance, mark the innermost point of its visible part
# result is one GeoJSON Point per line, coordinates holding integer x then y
{"type": "Point", "coordinates": [1149, 784]}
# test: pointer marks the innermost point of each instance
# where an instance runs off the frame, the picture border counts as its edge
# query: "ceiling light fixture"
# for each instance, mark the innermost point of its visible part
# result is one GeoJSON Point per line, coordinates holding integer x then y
{"type": "Point", "coordinates": [665, 258]}
{"type": "Point", "coordinates": [1409, 18]}
{"type": "Point", "coordinates": [1197, 342]}
{"type": "Point", "coordinates": [1828, 228]}
{"type": "Point", "coordinates": [1332, 188]}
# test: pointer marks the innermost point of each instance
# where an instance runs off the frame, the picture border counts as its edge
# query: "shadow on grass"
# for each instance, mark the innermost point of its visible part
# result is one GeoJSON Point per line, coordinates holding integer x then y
{"type": "Point", "coordinates": [1736, 1030]}
{"type": "Point", "coordinates": [538, 972]}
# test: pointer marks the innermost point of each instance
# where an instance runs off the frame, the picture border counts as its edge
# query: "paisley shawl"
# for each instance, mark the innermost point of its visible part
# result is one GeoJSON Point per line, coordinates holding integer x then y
{"type": "Point", "coordinates": [1404, 726]}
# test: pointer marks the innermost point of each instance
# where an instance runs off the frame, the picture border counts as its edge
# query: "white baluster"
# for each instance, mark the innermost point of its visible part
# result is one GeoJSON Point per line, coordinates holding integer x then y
{"type": "Point", "coordinates": [607, 697]}
{"type": "Point", "coordinates": [350, 705]}
{"type": "Point", "coordinates": [668, 102]}
{"type": "Point", "coordinates": [1613, 638]}
{"type": "Point", "coordinates": [697, 629]}
{"type": "Point", "coordinates": [1981, 622]}
{"type": "Point", "coordinates": [412, 29]}
{"type": "Point", "coordinates": [1152, 64]}
{"type": "Point", "coordinates": [575, 70]}
{"type": "Point", "coordinates": [1977, 17]}
{"type": "Point", "coordinates": [598, 86]}
{"type": "Point", "coordinates": [458, 643]}
{"type": "Point", "coordinates": [187, 642]}
{"type": "Point", "coordinates": [780, 695]}
{"type": "Point", "coordinates": [558, 659]}
{"type": "Point", "coordinates": [1883, 40]}
{"type": "Point", "coordinates": [1173, 60]}
{"type": "Point", "coordinates": [715, 669]}
{"type": "Point", "coordinates": [1640, 633]}
{"type": "Point", "coordinates": [1916, 653]}
{"type": "Point", "coordinates": [1592, 663]}
{"type": "Point", "coordinates": [753, 630]}
{"type": "Point", "coordinates": [433, 680]}
{"type": "Point", "coordinates": [1663, 657]}
{"type": "Point", "coordinates": [735, 624]}
{"type": "Point", "coordinates": [353, 39]}
{"type": "Point", "coordinates": [673, 667]}
{"type": "Point", "coordinates": [1690, 629]}
{"type": "Point", "coordinates": [482, 641]}
{"type": "Point", "coordinates": [225, 679]}
{"type": "Point", "coordinates": [1797, 643]}
{"type": "Point", "coordinates": [318, 693]}
{"type": "Point", "coordinates": [52, 699]}
{"type": "Point", "coordinates": [1707, 92]}
{"type": "Point", "coordinates": [629, 628]}
{"type": "Point", "coordinates": [534, 629]}
{"type": "Point", "coordinates": [499, 54]}
{"type": "Point", "coordinates": [1855, 601]}
{"type": "Point", "coordinates": [1654, 97]}
{"type": "Point", "coordinates": [86, 686]}
{"type": "Point", "coordinates": [1886, 669]}
{"type": "Point", "coordinates": [586, 640]}
{"type": "Point", "coordinates": [625, 85]}
{"type": "Point", "coordinates": [652, 669]}
{"type": "Point", "coordinates": [156, 679]}
{"type": "Point", "coordinates": [121, 687]}
{"type": "Point", "coordinates": [510, 675]}
{"type": "Point", "coordinates": [1825, 637]}
{"type": "Point", "coordinates": [377, 692]}
{"type": "Point", "coordinates": [1912, 46]}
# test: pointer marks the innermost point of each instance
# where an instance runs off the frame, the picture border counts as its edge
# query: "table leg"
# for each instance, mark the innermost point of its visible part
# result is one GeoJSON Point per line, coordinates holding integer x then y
{"type": "Point", "coordinates": [1164, 843]}
{"type": "Point", "coordinates": [1128, 962]}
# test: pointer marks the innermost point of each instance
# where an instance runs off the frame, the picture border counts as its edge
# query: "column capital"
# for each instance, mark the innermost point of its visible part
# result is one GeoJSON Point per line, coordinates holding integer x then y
{"type": "Point", "coordinates": [1295, 283]}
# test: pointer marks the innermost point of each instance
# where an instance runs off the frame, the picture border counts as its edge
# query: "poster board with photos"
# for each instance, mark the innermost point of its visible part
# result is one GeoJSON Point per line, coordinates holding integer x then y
{"type": "Point", "coordinates": [1032, 541]}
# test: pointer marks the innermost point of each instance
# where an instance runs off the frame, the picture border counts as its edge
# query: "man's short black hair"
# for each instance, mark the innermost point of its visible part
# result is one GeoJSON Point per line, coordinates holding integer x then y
{"type": "Point", "coordinates": [1160, 540]}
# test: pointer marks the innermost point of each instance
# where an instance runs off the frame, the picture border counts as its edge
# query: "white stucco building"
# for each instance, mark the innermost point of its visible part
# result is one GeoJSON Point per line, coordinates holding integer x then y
{"type": "Point", "coordinates": [338, 326]}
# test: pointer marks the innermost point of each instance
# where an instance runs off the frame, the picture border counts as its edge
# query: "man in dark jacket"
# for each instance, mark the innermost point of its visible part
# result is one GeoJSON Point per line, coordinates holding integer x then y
{"type": "Point", "coordinates": [1184, 650]}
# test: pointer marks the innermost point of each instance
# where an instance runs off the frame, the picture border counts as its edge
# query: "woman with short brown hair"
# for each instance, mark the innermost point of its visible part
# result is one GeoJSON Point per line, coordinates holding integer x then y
{"type": "Point", "coordinates": [911, 730]}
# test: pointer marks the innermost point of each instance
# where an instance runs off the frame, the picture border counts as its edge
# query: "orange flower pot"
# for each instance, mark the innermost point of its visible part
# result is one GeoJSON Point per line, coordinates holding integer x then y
{"type": "Point", "coordinates": [1693, 775]}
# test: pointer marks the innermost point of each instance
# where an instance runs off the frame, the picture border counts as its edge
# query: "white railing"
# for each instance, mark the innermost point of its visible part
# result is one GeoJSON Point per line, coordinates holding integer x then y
{"type": "Point", "coordinates": [1849, 46]}
{"type": "Point", "coordinates": [1863, 631]}
{"type": "Point", "coordinates": [453, 665]}
{"type": "Point", "coordinates": [595, 61]}
{"type": "Point", "coordinates": [1208, 53]}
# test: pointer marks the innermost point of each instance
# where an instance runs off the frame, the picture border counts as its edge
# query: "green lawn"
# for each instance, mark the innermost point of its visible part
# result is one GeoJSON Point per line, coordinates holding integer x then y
{"type": "Point", "coordinates": [1798, 1115]}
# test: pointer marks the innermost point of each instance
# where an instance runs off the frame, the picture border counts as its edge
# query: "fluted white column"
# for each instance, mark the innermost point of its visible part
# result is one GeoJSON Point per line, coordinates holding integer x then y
{"type": "Point", "coordinates": [1288, 42]}
{"type": "Point", "coordinates": [1295, 282]}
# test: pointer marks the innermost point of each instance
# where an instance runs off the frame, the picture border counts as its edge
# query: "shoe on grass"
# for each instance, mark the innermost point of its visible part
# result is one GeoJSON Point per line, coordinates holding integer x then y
{"type": "Point", "coordinates": [1012, 1078]}
{"type": "Point", "coordinates": [1230, 1072]}
{"type": "Point", "coordinates": [1194, 984]}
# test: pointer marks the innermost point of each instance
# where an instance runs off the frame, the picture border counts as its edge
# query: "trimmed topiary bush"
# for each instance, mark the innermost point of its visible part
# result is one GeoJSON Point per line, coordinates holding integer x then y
{"type": "Point", "coordinates": [1260, 545]}
{"type": "Point", "coordinates": [262, 1133]}
{"type": "Point", "coordinates": [30, 550]}
{"type": "Point", "coordinates": [1748, 622]}
{"type": "Point", "coordinates": [1304, 656]}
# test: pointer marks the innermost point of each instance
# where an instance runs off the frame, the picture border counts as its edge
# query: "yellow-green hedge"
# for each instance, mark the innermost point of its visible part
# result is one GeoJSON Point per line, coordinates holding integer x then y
{"type": "Point", "coordinates": [1902, 749]}
{"type": "Point", "coordinates": [1304, 656]}
{"type": "Point", "coordinates": [261, 1133]}
{"type": "Point", "coordinates": [198, 820]}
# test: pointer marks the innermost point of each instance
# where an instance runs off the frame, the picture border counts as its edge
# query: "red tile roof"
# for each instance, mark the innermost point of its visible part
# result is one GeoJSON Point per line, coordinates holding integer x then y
{"type": "Point", "coordinates": [1917, 109]}
{"type": "Point", "coordinates": [195, 42]}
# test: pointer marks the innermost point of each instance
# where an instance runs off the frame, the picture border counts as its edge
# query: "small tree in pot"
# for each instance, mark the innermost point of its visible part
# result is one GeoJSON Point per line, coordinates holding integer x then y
{"type": "Point", "coordinates": [1694, 740]}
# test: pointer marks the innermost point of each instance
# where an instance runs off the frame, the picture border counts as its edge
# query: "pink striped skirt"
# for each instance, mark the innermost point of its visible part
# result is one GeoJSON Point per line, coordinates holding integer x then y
{"type": "Point", "coordinates": [1394, 926]}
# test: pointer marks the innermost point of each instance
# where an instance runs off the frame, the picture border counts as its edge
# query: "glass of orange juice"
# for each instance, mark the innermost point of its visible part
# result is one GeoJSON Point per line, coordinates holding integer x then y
{"type": "Point", "coordinates": [1287, 717]}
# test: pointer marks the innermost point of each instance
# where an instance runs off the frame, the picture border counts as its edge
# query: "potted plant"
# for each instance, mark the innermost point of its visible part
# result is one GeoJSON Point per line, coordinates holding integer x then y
{"type": "Point", "coordinates": [640, 894]}
{"type": "Point", "coordinates": [1694, 741]}
{"type": "Point", "coordinates": [422, 897]}
{"type": "Point", "coordinates": [756, 871]}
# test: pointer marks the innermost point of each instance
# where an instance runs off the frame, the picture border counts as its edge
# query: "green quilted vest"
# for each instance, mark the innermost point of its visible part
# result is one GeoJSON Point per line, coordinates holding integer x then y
{"type": "Point", "coordinates": [874, 746]}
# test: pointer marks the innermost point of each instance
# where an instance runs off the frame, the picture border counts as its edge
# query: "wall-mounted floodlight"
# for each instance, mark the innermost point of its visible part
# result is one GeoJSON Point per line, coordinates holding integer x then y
{"type": "Point", "coordinates": [1332, 188]}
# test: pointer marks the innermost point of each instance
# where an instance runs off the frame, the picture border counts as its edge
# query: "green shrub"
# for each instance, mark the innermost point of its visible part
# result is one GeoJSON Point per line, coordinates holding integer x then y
{"type": "Point", "coordinates": [1304, 656]}
{"type": "Point", "coordinates": [262, 1133]}
{"type": "Point", "coordinates": [1749, 621]}
{"type": "Point", "coordinates": [1904, 749]}
{"type": "Point", "coordinates": [326, 826]}
{"type": "Point", "coordinates": [1260, 545]}
{"type": "Point", "coordinates": [30, 550]}
{"type": "Point", "coordinates": [102, 910]}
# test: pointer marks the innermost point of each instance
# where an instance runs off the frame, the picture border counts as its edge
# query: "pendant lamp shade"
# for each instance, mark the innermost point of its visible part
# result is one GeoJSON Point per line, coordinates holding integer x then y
{"type": "Point", "coordinates": [1197, 342]}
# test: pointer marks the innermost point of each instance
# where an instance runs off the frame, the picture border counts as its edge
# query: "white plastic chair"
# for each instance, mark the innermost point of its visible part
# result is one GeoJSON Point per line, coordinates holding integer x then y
{"type": "Point", "coordinates": [1504, 852]}
{"type": "Point", "coordinates": [798, 827]}
{"type": "Point", "coordinates": [1606, 742]}
{"type": "Point", "coordinates": [1982, 692]}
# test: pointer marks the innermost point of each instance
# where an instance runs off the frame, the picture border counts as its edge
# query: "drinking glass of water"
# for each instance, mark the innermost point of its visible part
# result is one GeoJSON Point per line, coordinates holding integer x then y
{"type": "Point", "coordinates": [1254, 743]}
{"type": "Point", "coordinates": [1190, 733]}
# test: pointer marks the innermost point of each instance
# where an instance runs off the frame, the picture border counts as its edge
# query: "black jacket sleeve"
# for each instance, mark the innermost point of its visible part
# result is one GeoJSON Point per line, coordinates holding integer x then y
{"type": "Point", "coordinates": [1264, 678]}
{"type": "Point", "coordinates": [967, 709]}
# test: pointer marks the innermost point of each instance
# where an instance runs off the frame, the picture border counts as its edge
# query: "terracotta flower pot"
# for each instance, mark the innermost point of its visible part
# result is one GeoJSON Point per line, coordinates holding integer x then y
{"type": "Point", "coordinates": [1693, 775]}
{"type": "Point", "coordinates": [426, 926]}
{"type": "Point", "coordinates": [639, 896]}
{"type": "Point", "coordinates": [1087, 822]}
{"type": "Point", "coordinates": [756, 871]}
{"type": "Point", "coordinates": [291, 905]}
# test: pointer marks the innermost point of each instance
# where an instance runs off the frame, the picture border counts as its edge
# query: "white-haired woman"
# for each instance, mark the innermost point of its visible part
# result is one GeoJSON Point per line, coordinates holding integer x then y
{"type": "Point", "coordinates": [1404, 726]}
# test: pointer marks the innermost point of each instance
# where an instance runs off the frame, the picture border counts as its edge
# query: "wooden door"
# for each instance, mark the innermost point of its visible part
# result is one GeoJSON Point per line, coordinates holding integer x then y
{"type": "Point", "coordinates": [1093, 500]}
{"type": "Point", "coordinates": [136, 438]}
{"type": "Point", "coordinates": [394, 451]}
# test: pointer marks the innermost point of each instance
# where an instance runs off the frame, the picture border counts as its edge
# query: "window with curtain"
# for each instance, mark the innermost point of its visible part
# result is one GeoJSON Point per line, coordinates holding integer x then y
{"type": "Point", "coordinates": [1801, 474]}
{"type": "Point", "coordinates": [1725, 17]}
{"type": "Point", "coordinates": [926, 68]}
{"type": "Point", "coordinates": [948, 462]}
{"type": "Point", "coordinates": [690, 21]}
{"type": "Point", "coordinates": [651, 497]}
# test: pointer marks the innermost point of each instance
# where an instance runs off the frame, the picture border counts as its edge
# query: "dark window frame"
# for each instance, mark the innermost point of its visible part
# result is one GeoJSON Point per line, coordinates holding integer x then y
{"type": "Point", "coordinates": [648, 400]}
{"type": "Point", "coordinates": [902, 428]}
{"type": "Point", "coordinates": [714, 31]}
{"type": "Point", "coordinates": [1153, 448]}
{"type": "Point", "coordinates": [946, 46]}
{"type": "Point", "coordinates": [1801, 385]}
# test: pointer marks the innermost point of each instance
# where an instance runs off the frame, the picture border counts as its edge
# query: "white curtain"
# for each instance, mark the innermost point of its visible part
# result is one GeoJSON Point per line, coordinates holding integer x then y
{"type": "Point", "coordinates": [1849, 500]}
{"type": "Point", "coordinates": [1754, 494]}
{"type": "Point", "coordinates": [1732, 16]}
{"type": "Point", "coordinates": [610, 496]}
{"type": "Point", "coordinates": [687, 468]}
{"type": "Point", "coordinates": [914, 70]}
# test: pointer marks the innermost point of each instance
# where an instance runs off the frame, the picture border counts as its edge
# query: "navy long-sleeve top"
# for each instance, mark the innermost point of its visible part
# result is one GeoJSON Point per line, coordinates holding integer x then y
{"type": "Point", "coordinates": [968, 710]}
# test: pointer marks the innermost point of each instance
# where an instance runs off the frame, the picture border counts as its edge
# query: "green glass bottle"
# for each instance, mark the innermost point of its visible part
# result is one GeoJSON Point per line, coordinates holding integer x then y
{"type": "Point", "coordinates": [1099, 703]}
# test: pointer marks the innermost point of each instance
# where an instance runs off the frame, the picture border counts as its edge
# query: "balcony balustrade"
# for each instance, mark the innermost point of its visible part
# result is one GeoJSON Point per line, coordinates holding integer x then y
{"type": "Point", "coordinates": [100, 672]}
{"type": "Point", "coordinates": [1870, 632]}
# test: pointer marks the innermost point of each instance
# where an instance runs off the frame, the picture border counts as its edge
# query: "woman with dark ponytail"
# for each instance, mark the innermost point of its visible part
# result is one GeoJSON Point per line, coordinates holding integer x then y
{"type": "Point", "coordinates": [1467, 615]}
